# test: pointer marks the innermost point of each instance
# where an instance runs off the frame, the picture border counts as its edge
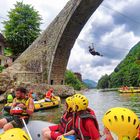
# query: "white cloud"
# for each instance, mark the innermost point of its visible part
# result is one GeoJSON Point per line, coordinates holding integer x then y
{"type": "Point", "coordinates": [120, 4]}
{"type": "Point", "coordinates": [117, 38]}
{"type": "Point", "coordinates": [120, 39]}
{"type": "Point", "coordinates": [110, 33]}
{"type": "Point", "coordinates": [95, 72]}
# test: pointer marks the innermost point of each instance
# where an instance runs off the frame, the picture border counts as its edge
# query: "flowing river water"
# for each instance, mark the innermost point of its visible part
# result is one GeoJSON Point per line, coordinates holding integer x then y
{"type": "Point", "coordinates": [99, 101]}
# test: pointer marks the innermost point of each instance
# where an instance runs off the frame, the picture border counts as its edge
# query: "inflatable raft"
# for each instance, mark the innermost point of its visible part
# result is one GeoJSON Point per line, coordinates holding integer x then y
{"type": "Point", "coordinates": [34, 128]}
{"type": "Point", "coordinates": [40, 104]}
{"type": "Point", "coordinates": [129, 91]}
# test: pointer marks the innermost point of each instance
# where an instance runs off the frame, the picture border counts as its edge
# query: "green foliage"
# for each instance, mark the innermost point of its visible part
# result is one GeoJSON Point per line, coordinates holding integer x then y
{"type": "Point", "coordinates": [72, 80]}
{"type": "Point", "coordinates": [103, 82]}
{"type": "Point", "coordinates": [8, 52]}
{"type": "Point", "coordinates": [1, 68]}
{"type": "Point", "coordinates": [126, 73]}
{"type": "Point", "coordinates": [22, 28]}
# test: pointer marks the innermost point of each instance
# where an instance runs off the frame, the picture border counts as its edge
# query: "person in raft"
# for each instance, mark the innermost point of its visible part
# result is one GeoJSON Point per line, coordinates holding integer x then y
{"type": "Point", "coordinates": [65, 125]}
{"type": "Point", "coordinates": [49, 95]}
{"type": "Point", "coordinates": [22, 108]}
{"type": "Point", "coordinates": [85, 125]}
{"type": "Point", "coordinates": [123, 122]}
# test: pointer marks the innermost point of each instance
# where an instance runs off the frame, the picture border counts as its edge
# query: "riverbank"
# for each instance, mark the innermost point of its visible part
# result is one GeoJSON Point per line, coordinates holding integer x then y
{"type": "Point", "coordinates": [100, 102]}
{"type": "Point", "coordinates": [62, 91]}
{"type": "Point", "coordinates": [108, 89]}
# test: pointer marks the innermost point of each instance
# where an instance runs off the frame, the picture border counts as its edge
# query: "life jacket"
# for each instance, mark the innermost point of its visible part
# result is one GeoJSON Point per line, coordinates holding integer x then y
{"type": "Point", "coordinates": [25, 102]}
{"type": "Point", "coordinates": [138, 135]}
{"type": "Point", "coordinates": [30, 95]}
{"type": "Point", "coordinates": [81, 132]}
{"type": "Point", "coordinates": [49, 94]}
{"type": "Point", "coordinates": [66, 122]}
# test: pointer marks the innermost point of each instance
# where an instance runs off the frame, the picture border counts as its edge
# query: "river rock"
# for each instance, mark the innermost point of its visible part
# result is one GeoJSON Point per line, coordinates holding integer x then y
{"type": "Point", "coordinates": [5, 82]}
{"type": "Point", "coordinates": [59, 90]}
{"type": "Point", "coordinates": [2, 98]}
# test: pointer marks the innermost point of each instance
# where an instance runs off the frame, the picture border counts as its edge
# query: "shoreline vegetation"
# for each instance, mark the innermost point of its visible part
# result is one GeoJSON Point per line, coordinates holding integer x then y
{"type": "Point", "coordinates": [109, 89]}
{"type": "Point", "coordinates": [73, 85]}
{"type": "Point", "coordinates": [126, 73]}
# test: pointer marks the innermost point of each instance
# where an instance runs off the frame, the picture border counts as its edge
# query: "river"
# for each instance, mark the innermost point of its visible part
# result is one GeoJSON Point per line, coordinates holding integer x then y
{"type": "Point", "coordinates": [100, 102]}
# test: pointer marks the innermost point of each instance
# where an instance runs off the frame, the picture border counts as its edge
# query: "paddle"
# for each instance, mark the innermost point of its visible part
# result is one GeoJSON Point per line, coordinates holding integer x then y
{"type": "Point", "coordinates": [26, 128]}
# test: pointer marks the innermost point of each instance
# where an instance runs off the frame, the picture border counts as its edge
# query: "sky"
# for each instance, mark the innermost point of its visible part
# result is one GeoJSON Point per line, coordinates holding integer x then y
{"type": "Point", "coordinates": [114, 28]}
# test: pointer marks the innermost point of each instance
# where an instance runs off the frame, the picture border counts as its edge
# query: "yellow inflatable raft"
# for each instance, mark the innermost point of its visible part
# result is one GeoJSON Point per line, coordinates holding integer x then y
{"type": "Point", "coordinates": [40, 104]}
{"type": "Point", "coordinates": [129, 91]}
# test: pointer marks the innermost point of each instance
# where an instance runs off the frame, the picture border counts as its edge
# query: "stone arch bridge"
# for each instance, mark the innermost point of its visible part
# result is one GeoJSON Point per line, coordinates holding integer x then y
{"type": "Point", "coordinates": [45, 60]}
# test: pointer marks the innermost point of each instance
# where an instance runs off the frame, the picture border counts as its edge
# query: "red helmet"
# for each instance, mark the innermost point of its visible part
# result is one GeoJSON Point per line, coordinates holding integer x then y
{"type": "Point", "coordinates": [17, 110]}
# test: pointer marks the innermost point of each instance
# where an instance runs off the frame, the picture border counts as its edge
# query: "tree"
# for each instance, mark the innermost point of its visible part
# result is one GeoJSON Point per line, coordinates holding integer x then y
{"type": "Point", "coordinates": [134, 74]}
{"type": "Point", "coordinates": [127, 73]}
{"type": "Point", "coordinates": [22, 28]}
{"type": "Point", "coordinates": [103, 82]}
{"type": "Point", "coordinates": [72, 80]}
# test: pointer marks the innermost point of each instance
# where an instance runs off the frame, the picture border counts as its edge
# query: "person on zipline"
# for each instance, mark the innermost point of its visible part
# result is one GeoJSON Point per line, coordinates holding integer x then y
{"type": "Point", "coordinates": [93, 52]}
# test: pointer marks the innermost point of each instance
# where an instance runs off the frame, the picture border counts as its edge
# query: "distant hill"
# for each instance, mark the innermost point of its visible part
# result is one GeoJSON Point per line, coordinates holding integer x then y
{"type": "Point", "coordinates": [126, 73]}
{"type": "Point", "coordinates": [90, 83]}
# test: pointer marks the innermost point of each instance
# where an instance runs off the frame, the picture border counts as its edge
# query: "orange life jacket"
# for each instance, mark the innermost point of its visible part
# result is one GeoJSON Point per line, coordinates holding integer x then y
{"type": "Point", "coordinates": [30, 95]}
{"type": "Point", "coordinates": [138, 135]}
{"type": "Point", "coordinates": [49, 94]}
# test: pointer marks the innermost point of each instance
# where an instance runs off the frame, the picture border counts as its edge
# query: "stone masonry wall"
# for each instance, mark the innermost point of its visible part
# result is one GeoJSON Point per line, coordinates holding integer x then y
{"type": "Point", "coordinates": [79, 15]}
{"type": "Point", "coordinates": [49, 53]}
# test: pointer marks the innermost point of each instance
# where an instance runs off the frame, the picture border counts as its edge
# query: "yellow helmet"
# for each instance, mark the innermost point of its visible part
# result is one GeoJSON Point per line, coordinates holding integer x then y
{"type": "Point", "coordinates": [14, 134]}
{"type": "Point", "coordinates": [9, 98]}
{"type": "Point", "coordinates": [81, 101]}
{"type": "Point", "coordinates": [122, 121]}
{"type": "Point", "coordinates": [69, 103]}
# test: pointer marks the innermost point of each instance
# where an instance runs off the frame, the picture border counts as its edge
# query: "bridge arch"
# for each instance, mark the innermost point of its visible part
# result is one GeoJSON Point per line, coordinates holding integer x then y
{"type": "Point", "coordinates": [47, 57]}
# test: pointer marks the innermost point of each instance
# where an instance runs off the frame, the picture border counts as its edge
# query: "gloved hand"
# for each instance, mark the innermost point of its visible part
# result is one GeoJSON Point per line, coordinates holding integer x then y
{"type": "Point", "coordinates": [21, 106]}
